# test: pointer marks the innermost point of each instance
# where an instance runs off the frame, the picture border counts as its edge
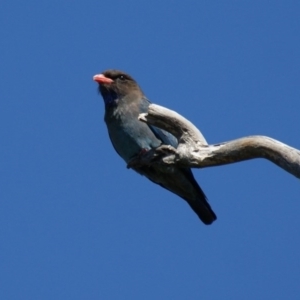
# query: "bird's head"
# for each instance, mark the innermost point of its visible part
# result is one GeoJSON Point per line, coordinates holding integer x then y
{"type": "Point", "coordinates": [115, 85]}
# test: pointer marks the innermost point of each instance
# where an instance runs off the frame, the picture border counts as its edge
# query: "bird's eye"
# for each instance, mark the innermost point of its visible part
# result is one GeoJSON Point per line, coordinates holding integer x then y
{"type": "Point", "coordinates": [122, 77]}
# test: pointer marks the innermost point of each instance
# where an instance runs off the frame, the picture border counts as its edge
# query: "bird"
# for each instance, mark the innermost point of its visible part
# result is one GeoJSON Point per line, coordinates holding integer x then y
{"type": "Point", "coordinates": [124, 100]}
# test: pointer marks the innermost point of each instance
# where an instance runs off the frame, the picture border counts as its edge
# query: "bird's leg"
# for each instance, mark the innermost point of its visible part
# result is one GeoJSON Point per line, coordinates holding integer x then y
{"type": "Point", "coordinates": [147, 157]}
{"type": "Point", "coordinates": [138, 159]}
{"type": "Point", "coordinates": [142, 152]}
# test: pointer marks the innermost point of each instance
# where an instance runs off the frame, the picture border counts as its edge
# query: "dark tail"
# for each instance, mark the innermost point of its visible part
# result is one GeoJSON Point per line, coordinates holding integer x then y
{"type": "Point", "coordinates": [198, 202]}
{"type": "Point", "coordinates": [203, 210]}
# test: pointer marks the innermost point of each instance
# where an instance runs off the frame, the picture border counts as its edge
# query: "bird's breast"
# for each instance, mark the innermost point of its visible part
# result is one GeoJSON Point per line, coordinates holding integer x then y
{"type": "Point", "coordinates": [128, 135]}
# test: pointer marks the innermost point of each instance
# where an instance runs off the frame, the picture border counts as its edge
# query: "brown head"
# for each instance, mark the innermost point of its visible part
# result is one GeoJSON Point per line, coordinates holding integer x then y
{"type": "Point", "coordinates": [115, 85]}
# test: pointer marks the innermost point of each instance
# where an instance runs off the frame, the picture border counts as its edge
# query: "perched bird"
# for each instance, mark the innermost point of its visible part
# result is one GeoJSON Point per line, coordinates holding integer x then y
{"type": "Point", "coordinates": [124, 101]}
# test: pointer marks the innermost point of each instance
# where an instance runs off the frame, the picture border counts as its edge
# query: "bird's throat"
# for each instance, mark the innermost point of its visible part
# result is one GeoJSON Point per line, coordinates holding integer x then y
{"type": "Point", "coordinates": [110, 98]}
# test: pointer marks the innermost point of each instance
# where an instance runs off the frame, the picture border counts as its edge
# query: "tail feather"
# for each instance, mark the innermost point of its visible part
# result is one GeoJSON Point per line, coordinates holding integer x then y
{"type": "Point", "coordinates": [198, 200]}
{"type": "Point", "coordinates": [203, 210]}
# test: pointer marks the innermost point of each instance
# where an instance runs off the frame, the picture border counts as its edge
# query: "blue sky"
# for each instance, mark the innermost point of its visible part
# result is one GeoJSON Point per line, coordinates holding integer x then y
{"type": "Point", "coordinates": [74, 222]}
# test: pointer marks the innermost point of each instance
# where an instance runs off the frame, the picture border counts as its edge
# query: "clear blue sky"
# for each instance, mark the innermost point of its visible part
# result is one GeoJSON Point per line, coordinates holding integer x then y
{"type": "Point", "coordinates": [74, 222]}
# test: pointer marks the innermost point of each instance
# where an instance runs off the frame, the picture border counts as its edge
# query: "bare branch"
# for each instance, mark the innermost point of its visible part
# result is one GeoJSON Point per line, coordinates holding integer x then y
{"type": "Point", "coordinates": [193, 150]}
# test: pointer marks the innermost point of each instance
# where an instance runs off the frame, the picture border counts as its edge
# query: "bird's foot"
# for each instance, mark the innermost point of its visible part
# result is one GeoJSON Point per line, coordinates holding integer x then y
{"type": "Point", "coordinates": [138, 159]}
{"type": "Point", "coordinates": [142, 152]}
{"type": "Point", "coordinates": [164, 150]}
{"type": "Point", "coordinates": [148, 157]}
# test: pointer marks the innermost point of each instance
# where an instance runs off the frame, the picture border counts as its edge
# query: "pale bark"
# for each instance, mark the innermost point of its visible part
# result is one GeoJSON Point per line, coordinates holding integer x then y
{"type": "Point", "coordinates": [193, 150]}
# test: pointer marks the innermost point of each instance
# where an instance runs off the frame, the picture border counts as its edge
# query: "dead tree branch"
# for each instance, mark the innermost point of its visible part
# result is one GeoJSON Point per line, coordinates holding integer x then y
{"type": "Point", "coordinates": [193, 150]}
